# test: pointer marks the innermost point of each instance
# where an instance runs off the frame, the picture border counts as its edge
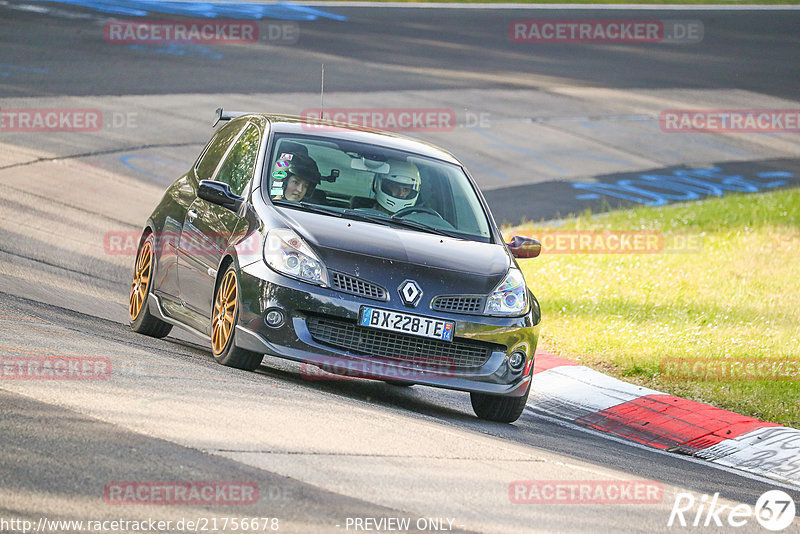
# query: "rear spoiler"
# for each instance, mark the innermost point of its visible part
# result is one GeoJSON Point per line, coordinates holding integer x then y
{"type": "Point", "coordinates": [227, 115]}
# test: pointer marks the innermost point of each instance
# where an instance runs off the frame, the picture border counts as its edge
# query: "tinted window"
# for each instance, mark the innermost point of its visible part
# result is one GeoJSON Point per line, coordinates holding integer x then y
{"type": "Point", "coordinates": [208, 163]}
{"type": "Point", "coordinates": [238, 167]}
{"type": "Point", "coordinates": [378, 182]}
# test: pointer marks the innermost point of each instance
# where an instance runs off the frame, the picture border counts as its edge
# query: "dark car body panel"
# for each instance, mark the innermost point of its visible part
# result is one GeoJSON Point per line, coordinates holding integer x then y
{"type": "Point", "coordinates": [412, 247]}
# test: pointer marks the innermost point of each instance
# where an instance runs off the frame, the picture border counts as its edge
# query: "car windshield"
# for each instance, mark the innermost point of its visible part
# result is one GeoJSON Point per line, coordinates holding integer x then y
{"type": "Point", "coordinates": [376, 184]}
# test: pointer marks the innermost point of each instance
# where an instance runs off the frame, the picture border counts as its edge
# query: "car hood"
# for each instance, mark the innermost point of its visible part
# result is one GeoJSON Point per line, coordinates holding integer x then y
{"type": "Point", "coordinates": [353, 246]}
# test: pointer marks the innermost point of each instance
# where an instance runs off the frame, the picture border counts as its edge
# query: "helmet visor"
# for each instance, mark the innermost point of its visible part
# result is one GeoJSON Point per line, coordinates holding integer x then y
{"type": "Point", "coordinates": [398, 186]}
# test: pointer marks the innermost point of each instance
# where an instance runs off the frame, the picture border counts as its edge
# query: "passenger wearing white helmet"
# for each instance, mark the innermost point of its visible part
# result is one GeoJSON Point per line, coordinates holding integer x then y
{"type": "Point", "coordinates": [398, 189]}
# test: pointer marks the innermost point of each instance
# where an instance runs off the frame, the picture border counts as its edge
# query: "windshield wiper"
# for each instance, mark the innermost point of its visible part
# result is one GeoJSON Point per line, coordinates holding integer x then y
{"type": "Point", "coordinates": [381, 219]}
{"type": "Point", "coordinates": [367, 217]}
{"type": "Point", "coordinates": [307, 206]}
{"type": "Point", "coordinates": [424, 227]}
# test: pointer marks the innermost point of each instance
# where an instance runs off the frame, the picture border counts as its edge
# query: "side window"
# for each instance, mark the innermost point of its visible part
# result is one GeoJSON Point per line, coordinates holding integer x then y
{"type": "Point", "coordinates": [208, 164]}
{"type": "Point", "coordinates": [238, 167]}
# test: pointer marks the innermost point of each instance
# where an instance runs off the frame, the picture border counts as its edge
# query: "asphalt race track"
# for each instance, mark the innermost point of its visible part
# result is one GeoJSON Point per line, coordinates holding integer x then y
{"type": "Point", "coordinates": [547, 129]}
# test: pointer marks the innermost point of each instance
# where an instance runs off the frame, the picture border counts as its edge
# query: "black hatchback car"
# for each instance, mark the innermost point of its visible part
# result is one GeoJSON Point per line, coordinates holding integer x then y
{"type": "Point", "coordinates": [355, 251]}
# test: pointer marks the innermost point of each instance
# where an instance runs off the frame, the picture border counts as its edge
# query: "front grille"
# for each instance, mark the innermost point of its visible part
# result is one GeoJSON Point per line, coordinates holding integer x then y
{"type": "Point", "coordinates": [356, 286]}
{"type": "Point", "coordinates": [393, 346]}
{"type": "Point", "coordinates": [458, 304]}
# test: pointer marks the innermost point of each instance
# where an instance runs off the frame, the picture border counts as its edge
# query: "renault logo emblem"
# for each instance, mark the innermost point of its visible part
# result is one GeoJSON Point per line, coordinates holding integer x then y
{"type": "Point", "coordinates": [410, 292]}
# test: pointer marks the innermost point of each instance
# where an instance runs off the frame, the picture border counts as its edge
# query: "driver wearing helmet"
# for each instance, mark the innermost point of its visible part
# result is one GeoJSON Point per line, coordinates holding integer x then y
{"type": "Point", "coordinates": [302, 177]}
{"type": "Point", "coordinates": [398, 189]}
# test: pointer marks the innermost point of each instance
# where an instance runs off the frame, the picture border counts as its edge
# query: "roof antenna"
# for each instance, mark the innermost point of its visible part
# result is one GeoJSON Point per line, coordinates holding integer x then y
{"type": "Point", "coordinates": [322, 93]}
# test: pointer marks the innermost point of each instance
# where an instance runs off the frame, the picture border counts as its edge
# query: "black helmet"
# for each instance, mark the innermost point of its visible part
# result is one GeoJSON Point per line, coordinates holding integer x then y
{"type": "Point", "coordinates": [303, 167]}
{"type": "Point", "coordinates": [295, 164]}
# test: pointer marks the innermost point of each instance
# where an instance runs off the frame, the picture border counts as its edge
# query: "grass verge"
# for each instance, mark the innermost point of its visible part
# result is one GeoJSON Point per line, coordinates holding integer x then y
{"type": "Point", "coordinates": [714, 316]}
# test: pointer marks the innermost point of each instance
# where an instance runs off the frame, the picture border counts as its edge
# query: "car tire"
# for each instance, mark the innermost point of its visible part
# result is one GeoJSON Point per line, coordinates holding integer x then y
{"type": "Point", "coordinates": [224, 317]}
{"type": "Point", "coordinates": [497, 408]}
{"type": "Point", "coordinates": [142, 321]}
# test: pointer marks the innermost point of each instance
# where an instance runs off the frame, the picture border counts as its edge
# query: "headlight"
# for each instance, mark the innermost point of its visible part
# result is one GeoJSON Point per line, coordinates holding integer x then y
{"type": "Point", "coordinates": [510, 297]}
{"type": "Point", "coordinates": [287, 253]}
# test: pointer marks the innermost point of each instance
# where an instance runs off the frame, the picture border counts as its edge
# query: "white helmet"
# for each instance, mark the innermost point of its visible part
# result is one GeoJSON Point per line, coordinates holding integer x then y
{"type": "Point", "coordinates": [403, 177]}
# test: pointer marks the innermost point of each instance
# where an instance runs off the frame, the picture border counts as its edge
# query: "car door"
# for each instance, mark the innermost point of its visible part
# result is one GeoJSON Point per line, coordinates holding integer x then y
{"type": "Point", "coordinates": [207, 228]}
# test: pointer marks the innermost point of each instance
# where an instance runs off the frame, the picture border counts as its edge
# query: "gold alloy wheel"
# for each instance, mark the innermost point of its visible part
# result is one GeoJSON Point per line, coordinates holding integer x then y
{"type": "Point", "coordinates": [141, 279]}
{"type": "Point", "coordinates": [224, 313]}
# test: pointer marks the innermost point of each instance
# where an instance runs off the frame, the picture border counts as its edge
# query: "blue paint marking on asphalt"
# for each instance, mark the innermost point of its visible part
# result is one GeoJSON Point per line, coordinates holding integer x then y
{"type": "Point", "coordinates": [233, 10]}
{"type": "Point", "coordinates": [775, 174]}
{"type": "Point", "coordinates": [6, 70]}
{"type": "Point", "coordinates": [24, 68]}
{"type": "Point", "coordinates": [178, 50]}
{"type": "Point", "coordinates": [313, 12]}
{"type": "Point", "coordinates": [127, 157]}
{"type": "Point", "coordinates": [111, 7]}
{"type": "Point", "coordinates": [683, 184]}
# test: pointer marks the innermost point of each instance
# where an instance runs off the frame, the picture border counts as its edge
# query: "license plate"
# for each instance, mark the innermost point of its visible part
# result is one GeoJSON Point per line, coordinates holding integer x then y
{"type": "Point", "coordinates": [407, 324]}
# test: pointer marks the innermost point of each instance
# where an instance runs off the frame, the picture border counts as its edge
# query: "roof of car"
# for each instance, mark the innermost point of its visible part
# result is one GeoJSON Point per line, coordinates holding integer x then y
{"type": "Point", "coordinates": [337, 130]}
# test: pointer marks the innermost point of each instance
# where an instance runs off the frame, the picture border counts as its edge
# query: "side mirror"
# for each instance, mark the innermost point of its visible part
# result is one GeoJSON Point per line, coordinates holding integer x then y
{"type": "Point", "coordinates": [219, 194]}
{"type": "Point", "coordinates": [524, 247]}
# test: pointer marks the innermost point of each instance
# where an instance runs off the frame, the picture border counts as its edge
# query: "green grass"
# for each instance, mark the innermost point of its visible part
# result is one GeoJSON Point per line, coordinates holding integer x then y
{"type": "Point", "coordinates": [734, 298]}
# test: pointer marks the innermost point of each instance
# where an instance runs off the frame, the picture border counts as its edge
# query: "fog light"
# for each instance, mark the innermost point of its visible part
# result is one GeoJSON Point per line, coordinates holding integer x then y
{"type": "Point", "coordinates": [274, 318]}
{"type": "Point", "coordinates": [516, 361]}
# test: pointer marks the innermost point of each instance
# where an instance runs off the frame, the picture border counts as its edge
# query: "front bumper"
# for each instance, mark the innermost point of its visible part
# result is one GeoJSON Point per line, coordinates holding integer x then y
{"type": "Point", "coordinates": [304, 305]}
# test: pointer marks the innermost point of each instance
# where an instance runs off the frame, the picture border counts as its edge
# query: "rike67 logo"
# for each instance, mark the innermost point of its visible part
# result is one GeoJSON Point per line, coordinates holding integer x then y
{"type": "Point", "coordinates": [774, 510]}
